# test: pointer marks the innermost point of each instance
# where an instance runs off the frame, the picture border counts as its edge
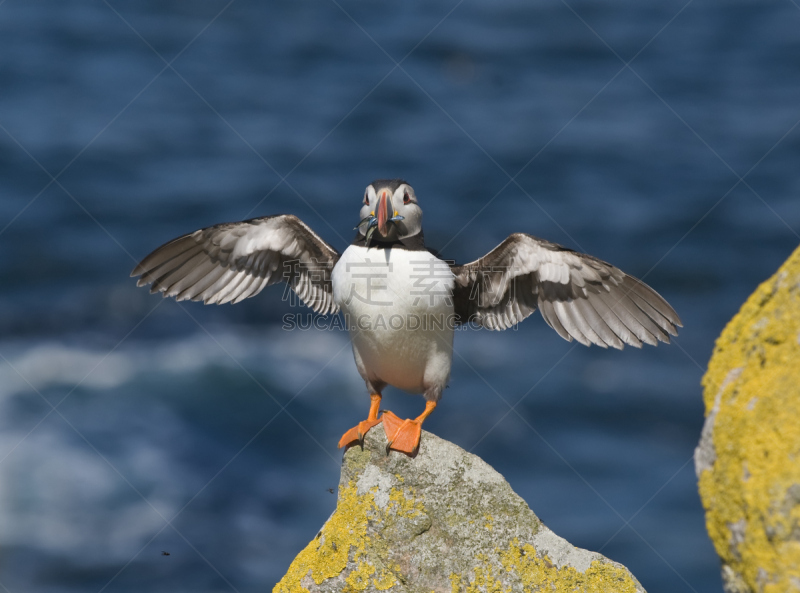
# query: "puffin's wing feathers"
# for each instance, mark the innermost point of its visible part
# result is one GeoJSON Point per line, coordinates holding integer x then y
{"type": "Point", "coordinates": [230, 262]}
{"type": "Point", "coordinates": [580, 296]}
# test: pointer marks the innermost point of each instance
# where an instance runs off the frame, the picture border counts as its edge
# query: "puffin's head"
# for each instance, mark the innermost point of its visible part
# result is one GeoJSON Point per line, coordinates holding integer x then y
{"type": "Point", "coordinates": [390, 211]}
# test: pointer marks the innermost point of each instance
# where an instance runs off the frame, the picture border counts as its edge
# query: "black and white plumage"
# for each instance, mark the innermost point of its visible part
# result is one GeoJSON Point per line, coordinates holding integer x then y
{"type": "Point", "coordinates": [227, 263]}
{"type": "Point", "coordinates": [579, 296]}
{"type": "Point", "coordinates": [388, 274]}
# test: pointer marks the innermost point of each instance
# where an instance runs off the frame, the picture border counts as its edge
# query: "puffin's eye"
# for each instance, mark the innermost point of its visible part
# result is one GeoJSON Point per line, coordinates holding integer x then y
{"type": "Point", "coordinates": [366, 199]}
{"type": "Point", "coordinates": [406, 198]}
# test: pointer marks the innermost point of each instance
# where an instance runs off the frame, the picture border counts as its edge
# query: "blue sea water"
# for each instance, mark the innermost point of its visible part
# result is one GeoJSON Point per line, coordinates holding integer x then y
{"type": "Point", "coordinates": [131, 426]}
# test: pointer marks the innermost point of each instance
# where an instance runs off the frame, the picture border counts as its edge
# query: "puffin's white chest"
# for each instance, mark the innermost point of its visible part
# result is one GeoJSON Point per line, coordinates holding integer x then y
{"type": "Point", "coordinates": [398, 307]}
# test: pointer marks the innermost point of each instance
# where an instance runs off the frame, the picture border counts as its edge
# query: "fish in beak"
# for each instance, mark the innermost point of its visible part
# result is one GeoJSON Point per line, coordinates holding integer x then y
{"type": "Point", "coordinates": [380, 223]}
{"type": "Point", "coordinates": [384, 211]}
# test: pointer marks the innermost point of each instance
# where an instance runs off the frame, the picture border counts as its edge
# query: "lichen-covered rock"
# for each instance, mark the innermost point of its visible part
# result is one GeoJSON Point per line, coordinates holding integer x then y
{"type": "Point", "coordinates": [443, 521]}
{"type": "Point", "coordinates": [748, 460]}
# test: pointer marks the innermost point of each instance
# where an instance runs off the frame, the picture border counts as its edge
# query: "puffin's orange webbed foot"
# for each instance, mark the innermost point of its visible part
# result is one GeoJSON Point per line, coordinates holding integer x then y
{"type": "Point", "coordinates": [358, 432]}
{"type": "Point", "coordinates": [403, 435]}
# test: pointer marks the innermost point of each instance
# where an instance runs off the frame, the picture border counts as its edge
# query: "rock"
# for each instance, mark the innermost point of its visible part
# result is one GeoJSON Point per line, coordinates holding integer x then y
{"type": "Point", "coordinates": [748, 460]}
{"type": "Point", "coordinates": [442, 521]}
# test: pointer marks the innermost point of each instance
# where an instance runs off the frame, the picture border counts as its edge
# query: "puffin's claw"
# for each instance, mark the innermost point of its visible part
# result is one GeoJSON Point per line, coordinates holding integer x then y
{"type": "Point", "coordinates": [358, 432]}
{"type": "Point", "coordinates": [403, 435]}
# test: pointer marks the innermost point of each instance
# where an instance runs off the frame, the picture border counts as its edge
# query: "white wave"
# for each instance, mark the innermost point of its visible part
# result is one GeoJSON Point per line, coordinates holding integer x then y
{"type": "Point", "coordinates": [290, 359]}
{"type": "Point", "coordinates": [59, 498]}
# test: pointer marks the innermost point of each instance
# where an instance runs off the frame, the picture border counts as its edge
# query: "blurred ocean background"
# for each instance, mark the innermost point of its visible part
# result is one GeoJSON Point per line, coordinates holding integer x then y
{"type": "Point", "coordinates": [131, 426]}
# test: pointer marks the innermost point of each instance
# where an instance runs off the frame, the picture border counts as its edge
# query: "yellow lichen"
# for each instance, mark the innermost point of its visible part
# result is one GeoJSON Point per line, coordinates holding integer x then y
{"type": "Point", "coordinates": [523, 565]}
{"type": "Point", "coordinates": [402, 505]}
{"type": "Point", "coordinates": [756, 435]}
{"type": "Point", "coordinates": [489, 522]}
{"type": "Point", "coordinates": [538, 572]}
{"type": "Point", "coordinates": [348, 550]}
{"type": "Point", "coordinates": [358, 579]}
{"type": "Point", "coordinates": [485, 580]}
{"type": "Point", "coordinates": [385, 579]}
{"type": "Point", "coordinates": [344, 537]}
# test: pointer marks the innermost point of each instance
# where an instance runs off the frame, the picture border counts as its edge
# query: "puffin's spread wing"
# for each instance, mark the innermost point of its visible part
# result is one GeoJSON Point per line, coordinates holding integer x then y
{"type": "Point", "coordinates": [580, 296]}
{"type": "Point", "coordinates": [230, 262]}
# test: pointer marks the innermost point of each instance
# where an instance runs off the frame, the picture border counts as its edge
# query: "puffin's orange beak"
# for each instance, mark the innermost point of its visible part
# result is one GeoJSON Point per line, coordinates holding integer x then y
{"type": "Point", "coordinates": [384, 211]}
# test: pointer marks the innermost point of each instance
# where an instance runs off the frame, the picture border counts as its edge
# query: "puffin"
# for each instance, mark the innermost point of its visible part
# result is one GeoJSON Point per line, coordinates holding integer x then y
{"type": "Point", "coordinates": [402, 302]}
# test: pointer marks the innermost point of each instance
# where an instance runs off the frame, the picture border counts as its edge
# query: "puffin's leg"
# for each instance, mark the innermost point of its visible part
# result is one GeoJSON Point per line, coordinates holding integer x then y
{"type": "Point", "coordinates": [404, 435]}
{"type": "Point", "coordinates": [357, 432]}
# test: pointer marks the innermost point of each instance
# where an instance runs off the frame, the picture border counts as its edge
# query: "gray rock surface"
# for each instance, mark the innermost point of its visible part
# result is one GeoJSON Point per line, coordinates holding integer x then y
{"type": "Point", "coordinates": [441, 521]}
